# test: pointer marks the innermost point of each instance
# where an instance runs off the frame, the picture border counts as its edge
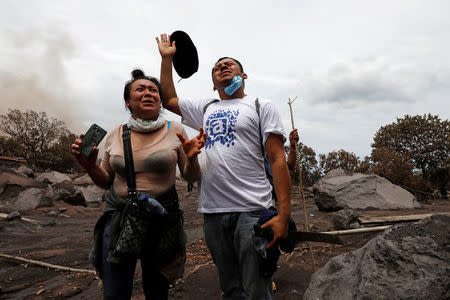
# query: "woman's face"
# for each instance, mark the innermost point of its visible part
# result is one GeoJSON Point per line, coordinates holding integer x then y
{"type": "Point", "coordinates": [144, 101]}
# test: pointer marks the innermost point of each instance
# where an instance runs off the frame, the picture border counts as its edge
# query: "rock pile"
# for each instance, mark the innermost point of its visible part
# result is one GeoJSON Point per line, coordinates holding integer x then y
{"type": "Point", "coordinates": [406, 262]}
{"type": "Point", "coordinates": [20, 191]}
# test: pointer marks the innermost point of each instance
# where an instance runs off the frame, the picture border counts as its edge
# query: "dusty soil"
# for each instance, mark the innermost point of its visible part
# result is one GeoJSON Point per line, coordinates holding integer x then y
{"type": "Point", "coordinates": [65, 240]}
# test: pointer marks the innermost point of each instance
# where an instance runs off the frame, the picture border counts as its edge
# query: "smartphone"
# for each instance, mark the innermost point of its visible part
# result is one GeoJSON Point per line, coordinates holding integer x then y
{"type": "Point", "coordinates": [92, 138]}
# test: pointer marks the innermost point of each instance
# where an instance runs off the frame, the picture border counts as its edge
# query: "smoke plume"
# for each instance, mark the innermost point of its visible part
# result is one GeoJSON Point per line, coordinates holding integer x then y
{"type": "Point", "coordinates": [33, 74]}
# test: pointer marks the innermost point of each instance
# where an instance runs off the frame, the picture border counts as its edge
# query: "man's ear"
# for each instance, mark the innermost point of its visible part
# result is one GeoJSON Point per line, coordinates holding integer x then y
{"type": "Point", "coordinates": [244, 76]}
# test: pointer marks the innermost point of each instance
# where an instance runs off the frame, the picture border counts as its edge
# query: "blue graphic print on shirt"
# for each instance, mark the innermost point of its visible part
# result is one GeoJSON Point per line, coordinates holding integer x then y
{"type": "Point", "coordinates": [220, 127]}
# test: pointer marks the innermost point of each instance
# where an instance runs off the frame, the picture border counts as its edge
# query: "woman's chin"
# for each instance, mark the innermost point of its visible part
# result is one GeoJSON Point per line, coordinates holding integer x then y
{"type": "Point", "coordinates": [146, 116]}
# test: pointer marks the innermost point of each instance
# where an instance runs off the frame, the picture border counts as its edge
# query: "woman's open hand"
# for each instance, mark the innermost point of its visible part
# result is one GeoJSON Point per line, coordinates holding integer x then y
{"type": "Point", "coordinates": [192, 147]}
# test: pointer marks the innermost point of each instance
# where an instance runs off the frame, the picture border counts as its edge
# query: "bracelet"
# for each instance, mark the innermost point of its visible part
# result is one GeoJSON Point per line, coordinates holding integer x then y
{"type": "Point", "coordinates": [193, 160]}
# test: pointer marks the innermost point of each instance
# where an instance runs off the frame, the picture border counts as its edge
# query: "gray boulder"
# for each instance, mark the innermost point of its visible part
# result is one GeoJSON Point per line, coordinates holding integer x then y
{"type": "Point", "coordinates": [69, 194]}
{"type": "Point", "coordinates": [409, 261]}
{"type": "Point", "coordinates": [5, 169]}
{"type": "Point", "coordinates": [53, 213]}
{"type": "Point", "coordinates": [83, 180]}
{"type": "Point", "coordinates": [339, 189]}
{"type": "Point", "coordinates": [7, 208]}
{"type": "Point", "coordinates": [26, 171]}
{"type": "Point", "coordinates": [346, 218]}
{"type": "Point", "coordinates": [92, 194]}
{"type": "Point", "coordinates": [13, 216]}
{"type": "Point", "coordinates": [53, 177]}
{"type": "Point", "coordinates": [33, 198]}
{"type": "Point", "coordinates": [12, 178]}
{"type": "Point", "coordinates": [12, 184]}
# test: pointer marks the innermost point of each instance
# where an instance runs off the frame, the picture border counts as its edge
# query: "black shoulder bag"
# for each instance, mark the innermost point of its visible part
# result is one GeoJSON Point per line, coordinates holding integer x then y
{"type": "Point", "coordinates": [135, 219]}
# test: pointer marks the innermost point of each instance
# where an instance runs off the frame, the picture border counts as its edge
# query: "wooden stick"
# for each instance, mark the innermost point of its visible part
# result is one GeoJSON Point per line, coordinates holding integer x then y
{"type": "Point", "coordinates": [300, 181]}
{"type": "Point", "coordinates": [292, 114]}
{"type": "Point", "coordinates": [404, 218]}
{"type": "Point", "coordinates": [35, 222]}
{"type": "Point", "coordinates": [299, 169]}
{"type": "Point", "coordinates": [380, 228]}
{"type": "Point", "coordinates": [358, 230]}
{"type": "Point", "coordinates": [43, 264]}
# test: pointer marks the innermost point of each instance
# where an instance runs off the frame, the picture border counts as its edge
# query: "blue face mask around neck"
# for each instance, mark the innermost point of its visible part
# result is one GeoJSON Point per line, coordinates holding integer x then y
{"type": "Point", "coordinates": [236, 83]}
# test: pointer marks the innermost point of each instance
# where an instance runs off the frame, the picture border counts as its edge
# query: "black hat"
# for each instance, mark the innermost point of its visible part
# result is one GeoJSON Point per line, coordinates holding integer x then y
{"type": "Point", "coordinates": [185, 60]}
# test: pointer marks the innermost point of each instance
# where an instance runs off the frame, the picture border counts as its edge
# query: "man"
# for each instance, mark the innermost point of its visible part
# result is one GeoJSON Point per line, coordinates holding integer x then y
{"type": "Point", "coordinates": [234, 189]}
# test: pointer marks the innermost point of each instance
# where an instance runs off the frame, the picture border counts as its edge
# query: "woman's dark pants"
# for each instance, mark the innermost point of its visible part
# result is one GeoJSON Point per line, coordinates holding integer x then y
{"type": "Point", "coordinates": [118, 278]}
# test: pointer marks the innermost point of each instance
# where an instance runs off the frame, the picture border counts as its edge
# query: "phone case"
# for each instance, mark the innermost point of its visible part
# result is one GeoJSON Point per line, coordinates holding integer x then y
{"type": "Point", "coordinates": [92, 138]}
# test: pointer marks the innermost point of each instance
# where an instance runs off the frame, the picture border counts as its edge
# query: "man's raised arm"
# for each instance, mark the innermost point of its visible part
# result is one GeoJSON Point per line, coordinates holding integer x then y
{"type": "Point", "coordinates": [169, 94]}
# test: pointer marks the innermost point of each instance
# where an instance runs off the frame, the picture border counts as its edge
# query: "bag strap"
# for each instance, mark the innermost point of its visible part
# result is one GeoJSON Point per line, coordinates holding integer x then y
{"type": "Point", "coordinates": [264, 154]}
{"type": "Point", "coordinates": [129, 165]}
{"type": "Point", "coordinates": [263, 151]}
{"type": "Point", "coordinates": [208, 104]}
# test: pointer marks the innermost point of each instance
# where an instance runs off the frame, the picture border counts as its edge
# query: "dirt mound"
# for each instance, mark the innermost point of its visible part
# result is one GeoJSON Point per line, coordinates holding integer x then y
{"type": "Point", "coordinates": [65, 239]}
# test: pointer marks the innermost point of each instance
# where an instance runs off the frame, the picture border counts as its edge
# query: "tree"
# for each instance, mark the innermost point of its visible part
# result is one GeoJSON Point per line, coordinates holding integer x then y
{"type": "Point", "coordinates": [424, 140]}
{"type": "Point", "coordinates": [365, 166]}
{"type": "Point", "coordinates": [308, 164]}
{"type": "Point", "coordinates": [440, 178]}
{"type": "Point", "coordinates": [9, 147]}
{"type": "Point", "coordinates": [61, 154]}
{"type": "Point", "coordinates": [395, 167]}
{"type": "Point", "coordinates": [59, 157]}
{"type": "Point", "coordinates": [338, 160]}
{"type": "Point", "coordinates": [34, 133]}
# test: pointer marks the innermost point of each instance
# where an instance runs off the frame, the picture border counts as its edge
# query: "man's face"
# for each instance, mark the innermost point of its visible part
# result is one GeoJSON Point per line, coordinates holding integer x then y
{"type": "Point", "coordinates": [224, 71]}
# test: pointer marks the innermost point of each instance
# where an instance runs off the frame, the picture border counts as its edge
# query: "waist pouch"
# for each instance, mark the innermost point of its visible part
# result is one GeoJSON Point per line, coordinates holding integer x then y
{"type": "Point", "coordinates": [268, 258]}
{"type": "Point", "coordinates": [165, 238]}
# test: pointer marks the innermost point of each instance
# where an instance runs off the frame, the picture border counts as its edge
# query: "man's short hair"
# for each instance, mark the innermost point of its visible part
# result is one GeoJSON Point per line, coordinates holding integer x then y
{"type": "Point", "coordinates": [222, 58]}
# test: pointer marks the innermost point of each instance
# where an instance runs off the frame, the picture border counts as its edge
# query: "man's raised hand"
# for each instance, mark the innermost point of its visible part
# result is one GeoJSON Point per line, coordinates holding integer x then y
{"type": "Point", "coordinates": [166, 49]}
{"type": "Point", "coordinates": [293, 137]}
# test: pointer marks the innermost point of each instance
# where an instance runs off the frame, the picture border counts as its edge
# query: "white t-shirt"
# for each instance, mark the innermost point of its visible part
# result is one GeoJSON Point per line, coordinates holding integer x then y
{"type": "Point", "coordinates": [232, 166]}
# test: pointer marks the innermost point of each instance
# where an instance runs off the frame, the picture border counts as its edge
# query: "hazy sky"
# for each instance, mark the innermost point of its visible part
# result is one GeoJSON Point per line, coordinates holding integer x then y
{"type": "Point", "coordinates": [354, 65]}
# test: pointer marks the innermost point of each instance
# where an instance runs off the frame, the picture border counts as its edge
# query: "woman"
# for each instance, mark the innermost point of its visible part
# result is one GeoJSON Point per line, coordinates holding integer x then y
{"type": "Point", "coordinates": [157, 147]}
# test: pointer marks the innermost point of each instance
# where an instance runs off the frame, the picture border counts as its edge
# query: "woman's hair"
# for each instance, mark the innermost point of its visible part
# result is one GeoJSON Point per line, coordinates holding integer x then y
{"type": "Point", "coordinates": [137, 74]}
